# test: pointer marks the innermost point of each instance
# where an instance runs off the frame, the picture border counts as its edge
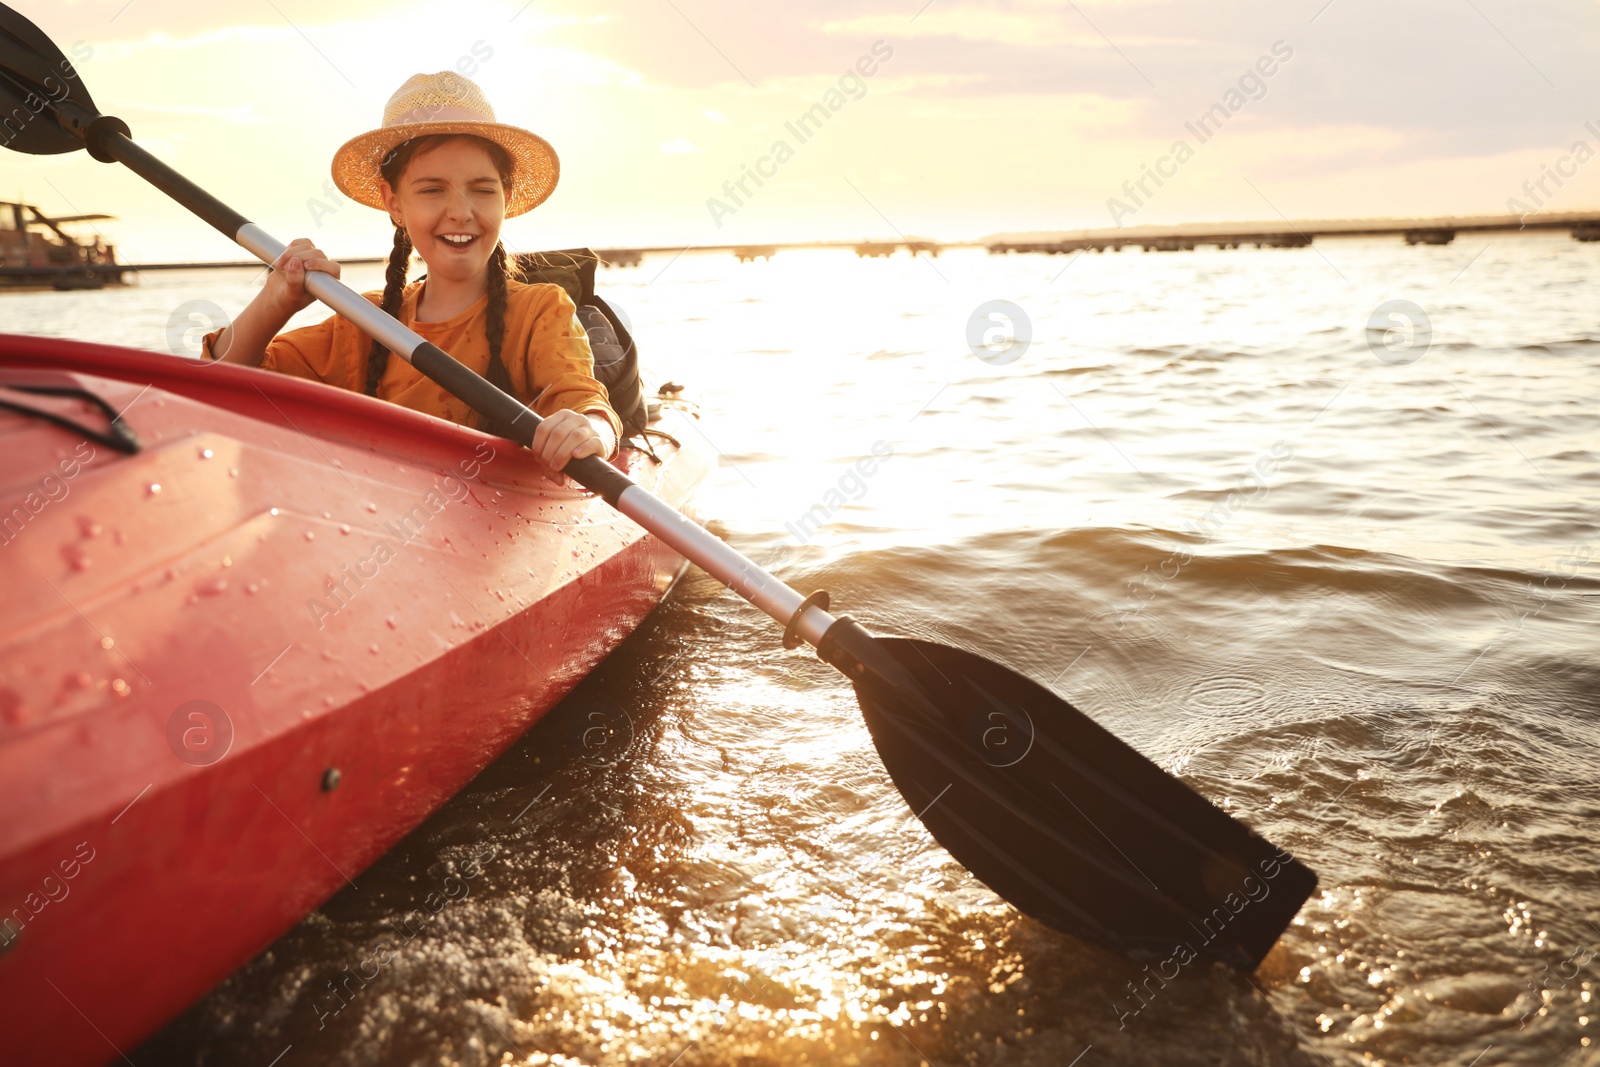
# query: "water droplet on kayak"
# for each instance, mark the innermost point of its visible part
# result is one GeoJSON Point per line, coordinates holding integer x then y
{"type": "Point", "coordinates": [251, 588]}
{"type": "Point", "coordinates": [106, 642]}
{"type": "Point", "coordinates": [170, 575]}
{"type": "Point", "coordinates": [87, 527]}
{"type": "Point", "coordinates": [120, 687]}
{"type": "Point", "coordinates": [337, 463]}
{"type": "Point", "coordinates": [311, 535]}
{"type": "Point", "coordinates": [329, 700]}
{"type": "Point", "coordinates": [305, 713]}
{"type": "Point", "coordinates": [272, 511]}
{"type": "Point", "coordinates": [191, 600]}
{"type": "Point", "coordinates": [344, 527]}
{"type": "Point", "coordinates": [327, 654]}
{"type": "Point", "coordinates": [372, 506]}
{"type": "Point", "coordinates": [154, 488]}
{"type": "Point", "coordinates": [373, 649]}
{"type": "Point", "coordinates": [227, 561]}
{"type": "Point", "coordinates": [394, 623]}
{"type": "Point", "coordinates": [80, 680]}
{"type": "Point", "coordinates": [327, 514]}
{"type": "Point", "coordinates": [212, 587]}
{"type": "Point", "coordinates": [456, 620]}
{"type": "Point", "coordinates": [233, 472]}
{"type": "Point", "coordinates": [119, 537]}
{"type": "Point", "coordinates": [77, 558]}
{"type": "Point", "coordinates": [206, 453]}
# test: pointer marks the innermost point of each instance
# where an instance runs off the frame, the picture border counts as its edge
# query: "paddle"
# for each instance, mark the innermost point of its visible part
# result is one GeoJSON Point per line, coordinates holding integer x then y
{"type": "Point", "coordinates": [1066, 822]}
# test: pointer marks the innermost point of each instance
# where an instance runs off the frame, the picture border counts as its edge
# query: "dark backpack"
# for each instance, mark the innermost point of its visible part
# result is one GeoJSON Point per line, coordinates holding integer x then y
{"type": "Point", "coordinates": [616, 358]}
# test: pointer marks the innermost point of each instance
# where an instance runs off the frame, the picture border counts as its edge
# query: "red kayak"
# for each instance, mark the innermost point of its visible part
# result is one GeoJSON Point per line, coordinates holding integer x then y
{"type": "Point", "coordinates": [254, 630]}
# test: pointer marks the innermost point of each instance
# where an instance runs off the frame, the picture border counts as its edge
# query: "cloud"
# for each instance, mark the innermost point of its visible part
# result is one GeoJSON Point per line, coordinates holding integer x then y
{"type": "Point", "coordinates": [1453, 78]}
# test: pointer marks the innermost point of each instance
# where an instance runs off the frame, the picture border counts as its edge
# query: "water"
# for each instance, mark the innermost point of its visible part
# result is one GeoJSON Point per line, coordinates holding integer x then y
{"type": "Point", "coordinates": [1351, 598]}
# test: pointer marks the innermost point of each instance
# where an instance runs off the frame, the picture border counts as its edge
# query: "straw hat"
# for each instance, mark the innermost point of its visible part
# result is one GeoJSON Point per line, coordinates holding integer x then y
{"type": "Point", "coordinates": [445, 103]}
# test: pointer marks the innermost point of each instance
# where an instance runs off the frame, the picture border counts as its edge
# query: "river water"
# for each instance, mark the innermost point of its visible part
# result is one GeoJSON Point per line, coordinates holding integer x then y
{"type": "Point", "coordinates": [1340, 579]}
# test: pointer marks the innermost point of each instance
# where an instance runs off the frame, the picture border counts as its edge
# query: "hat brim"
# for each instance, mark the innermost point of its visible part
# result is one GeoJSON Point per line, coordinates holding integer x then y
{"type": "Point", "coordinates": [535, 166]}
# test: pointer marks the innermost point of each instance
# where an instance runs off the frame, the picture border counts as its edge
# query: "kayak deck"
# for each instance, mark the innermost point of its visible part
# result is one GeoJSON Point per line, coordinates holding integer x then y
{"type": "Point", "coordinates": [240, 663]}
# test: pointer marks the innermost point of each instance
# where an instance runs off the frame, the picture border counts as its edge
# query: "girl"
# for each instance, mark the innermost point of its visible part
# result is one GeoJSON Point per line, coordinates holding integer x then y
{"type": "Point", "coordinates": [449, 176]}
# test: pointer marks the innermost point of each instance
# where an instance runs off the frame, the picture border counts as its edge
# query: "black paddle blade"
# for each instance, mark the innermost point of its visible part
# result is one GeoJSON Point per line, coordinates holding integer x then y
{"type": "Point", "coordinates": [1059, 817]}
{"type": "Point", "coordinates": [43, 103]}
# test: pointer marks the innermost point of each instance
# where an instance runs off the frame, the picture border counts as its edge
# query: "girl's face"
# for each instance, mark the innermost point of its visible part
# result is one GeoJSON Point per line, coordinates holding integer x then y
{"type": "Point", "coordinates": [452, 203]}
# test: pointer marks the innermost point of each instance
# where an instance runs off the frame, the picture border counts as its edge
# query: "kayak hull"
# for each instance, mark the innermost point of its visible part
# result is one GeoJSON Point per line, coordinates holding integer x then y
{"type": "Point", "coordinates": [239, 664]}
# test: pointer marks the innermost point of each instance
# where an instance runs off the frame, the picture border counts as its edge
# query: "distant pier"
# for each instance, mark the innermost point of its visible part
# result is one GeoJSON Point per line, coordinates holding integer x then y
{"type": "Point", "coordinates": [1582, 226]}
{"type": "Point", "coordinates": [1152, 243]}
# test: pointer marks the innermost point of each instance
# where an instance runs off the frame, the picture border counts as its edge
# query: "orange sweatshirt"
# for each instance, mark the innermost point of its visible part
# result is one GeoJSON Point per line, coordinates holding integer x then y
{"type": "Point", "coordinates": [545, 350]}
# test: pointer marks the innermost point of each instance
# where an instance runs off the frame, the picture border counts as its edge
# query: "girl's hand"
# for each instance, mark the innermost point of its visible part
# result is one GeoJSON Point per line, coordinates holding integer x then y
{"type": "Point", "coordinates": [569, 435]}
{"type": "Point", "coordinates": [286, 285]}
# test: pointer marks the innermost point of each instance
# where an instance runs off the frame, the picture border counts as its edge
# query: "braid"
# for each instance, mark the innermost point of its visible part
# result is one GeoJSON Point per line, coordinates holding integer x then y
{"type": "Point", "coordinates": [497, 373]}
{"type": "Point", "coordinates": [497, 317]}
{"type": "Point", "coordinates": [399, 265]}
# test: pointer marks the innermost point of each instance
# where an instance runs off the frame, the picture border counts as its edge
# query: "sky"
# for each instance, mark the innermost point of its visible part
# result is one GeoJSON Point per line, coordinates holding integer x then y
{"type": "Point", "coordinates": [976, 118]}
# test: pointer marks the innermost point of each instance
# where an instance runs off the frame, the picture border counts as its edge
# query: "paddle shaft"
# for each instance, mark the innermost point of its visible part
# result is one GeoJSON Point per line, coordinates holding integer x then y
{"type": "Point", "coordinates": [691, 540]}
